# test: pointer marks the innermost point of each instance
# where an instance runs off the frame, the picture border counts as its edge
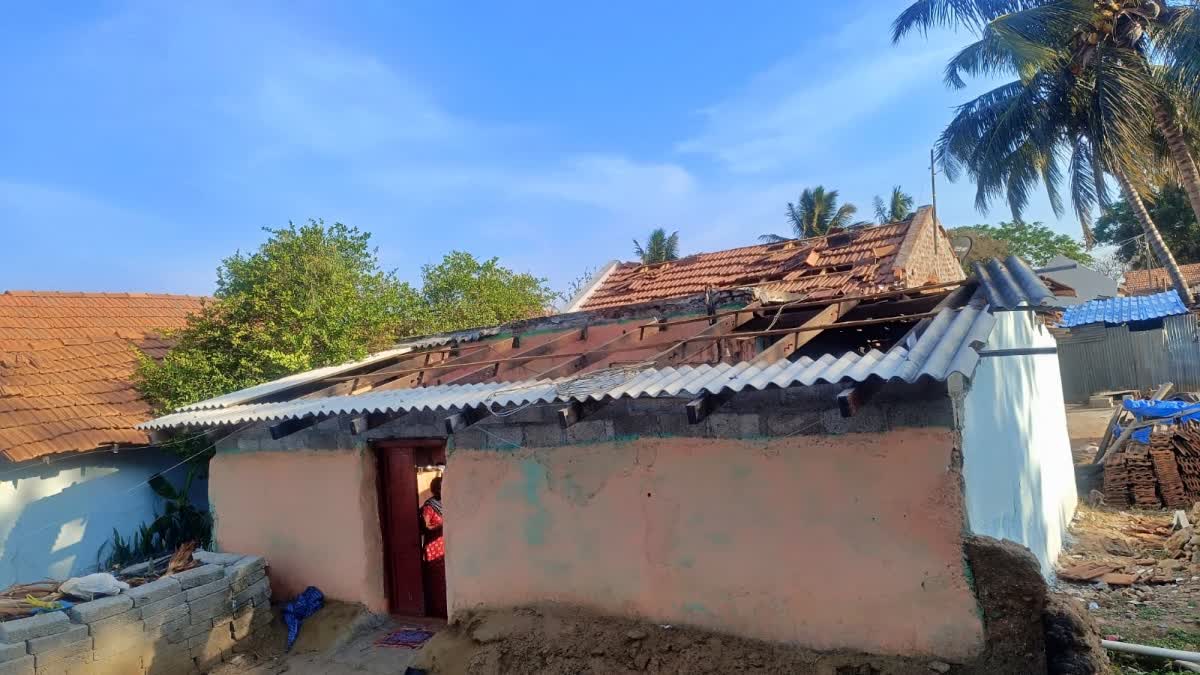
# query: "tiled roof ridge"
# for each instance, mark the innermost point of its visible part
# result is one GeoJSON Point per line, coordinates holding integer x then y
{"type": "Point", "coordinates": [20, 293]}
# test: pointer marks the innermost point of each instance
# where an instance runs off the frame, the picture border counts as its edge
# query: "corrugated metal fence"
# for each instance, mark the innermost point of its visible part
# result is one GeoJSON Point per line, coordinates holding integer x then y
{"type": "Point", "coordinates": [1097, 358]}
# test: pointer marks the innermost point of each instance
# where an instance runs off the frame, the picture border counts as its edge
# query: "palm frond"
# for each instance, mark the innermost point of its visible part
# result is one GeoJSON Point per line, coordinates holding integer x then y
{"type": "Point", "coordinates": [970, 14]}
{"type": "Point", "coordinates": [772, 238]}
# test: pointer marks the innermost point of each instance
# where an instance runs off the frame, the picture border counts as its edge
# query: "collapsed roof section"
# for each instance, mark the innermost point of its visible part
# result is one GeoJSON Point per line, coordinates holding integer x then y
{"type": "Point", "coordinates": [711, 345]}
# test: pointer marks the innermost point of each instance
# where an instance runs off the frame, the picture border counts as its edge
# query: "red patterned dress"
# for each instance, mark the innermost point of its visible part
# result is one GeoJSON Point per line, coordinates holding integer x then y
{"type": "Point", "coordinates": [434, 558]}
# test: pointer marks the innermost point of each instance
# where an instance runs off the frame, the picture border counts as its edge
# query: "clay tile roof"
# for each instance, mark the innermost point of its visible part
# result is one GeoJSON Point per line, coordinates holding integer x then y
{"type": "Point", "coordinates": [1145, 282]}
{"type": "Point", "coordinates": [66, 367]}
{"type": "Point", "coordinates": [854, 261]}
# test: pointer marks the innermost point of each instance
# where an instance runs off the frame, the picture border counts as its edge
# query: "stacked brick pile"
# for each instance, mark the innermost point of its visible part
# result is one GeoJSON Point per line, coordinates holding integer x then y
{"type": "Point", "coordinates": [1163, 473]}
{"type": "Point", "coordinates": [183, 623]}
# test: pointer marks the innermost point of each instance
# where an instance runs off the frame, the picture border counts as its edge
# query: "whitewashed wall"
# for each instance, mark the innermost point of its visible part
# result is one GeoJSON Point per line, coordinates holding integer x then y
{"type": "Point", "coordinates": [1020, 482]}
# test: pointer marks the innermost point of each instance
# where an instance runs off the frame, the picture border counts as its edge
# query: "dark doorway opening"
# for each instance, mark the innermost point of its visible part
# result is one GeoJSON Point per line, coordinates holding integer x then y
{"type": "Point", "coordinates": [414, 586]}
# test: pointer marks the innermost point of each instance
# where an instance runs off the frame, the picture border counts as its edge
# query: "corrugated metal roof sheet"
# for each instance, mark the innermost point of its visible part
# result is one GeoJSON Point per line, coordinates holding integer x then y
{"type": "Point", "coordinates": [1011, 283]}
{"type": "Point", "coordinates": [1116, 311]}
{"type": "Point", "coordinates": [948, 344]}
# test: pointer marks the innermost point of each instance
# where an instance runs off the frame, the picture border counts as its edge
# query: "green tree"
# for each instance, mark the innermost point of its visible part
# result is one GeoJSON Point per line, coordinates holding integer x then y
{"type": "Point", "coordinates": [462, 292]}
{"type": "Point", "coordinates": [1088, 92]}
{"type": "Point", "coordinates": [310, 296]}
{"type": "Point", "coordinates": [1033, 242]}
{"type": "Point", "coordinates": [814, 215]}
{"type": "Point", "coordinates": [897, 208]}
{"type": "Point", "coordinates": [660, 247]}
{"type": "Point", "coordinates": [314, 295]}
{"type": "Point", "coordinates": [1171, 212]}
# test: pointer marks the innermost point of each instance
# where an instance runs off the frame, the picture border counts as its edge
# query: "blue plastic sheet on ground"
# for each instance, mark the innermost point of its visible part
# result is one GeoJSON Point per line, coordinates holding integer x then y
{"type": "Point", "coordinates": [305, 605]}
{"type": "Point", "coordinates": [1145, 409]}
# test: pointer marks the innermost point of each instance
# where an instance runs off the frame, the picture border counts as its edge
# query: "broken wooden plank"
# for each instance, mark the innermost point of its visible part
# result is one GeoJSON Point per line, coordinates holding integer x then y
{"type": "Point", "coordinates": [804, 333]}
{"type": "Point", "coordinates": [1162, 391]}
{"type": "Point", "coordinates": [569, 414]}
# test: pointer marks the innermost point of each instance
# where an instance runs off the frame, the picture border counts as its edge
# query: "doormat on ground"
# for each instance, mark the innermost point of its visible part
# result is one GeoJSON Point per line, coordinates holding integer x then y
{"type": "Point", "coordinates": [408, 638]}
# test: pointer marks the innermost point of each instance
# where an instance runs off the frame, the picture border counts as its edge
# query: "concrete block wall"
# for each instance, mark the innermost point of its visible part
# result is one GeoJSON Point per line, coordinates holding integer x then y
{"type": "Point", "coordinates": [184, 623]}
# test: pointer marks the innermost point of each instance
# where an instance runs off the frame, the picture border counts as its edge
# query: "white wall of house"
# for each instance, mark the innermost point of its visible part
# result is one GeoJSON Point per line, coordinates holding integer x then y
{"type": "Point", "coordinates": [54, 518]}
{"type": "Point", "coordinates": [1020, 480]}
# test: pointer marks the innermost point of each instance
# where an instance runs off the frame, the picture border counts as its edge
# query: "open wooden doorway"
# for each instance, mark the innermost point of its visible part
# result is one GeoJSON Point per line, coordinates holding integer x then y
{"type": "Point", "coordinates": [414, 588]}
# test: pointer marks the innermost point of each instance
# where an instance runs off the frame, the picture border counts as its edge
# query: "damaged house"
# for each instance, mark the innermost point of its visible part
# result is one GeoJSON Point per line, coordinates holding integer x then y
{"type": "Point", "coordinates": [788, 442]}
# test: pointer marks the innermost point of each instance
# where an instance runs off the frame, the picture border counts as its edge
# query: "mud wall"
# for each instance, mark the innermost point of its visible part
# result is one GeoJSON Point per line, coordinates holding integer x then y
{"type": "Point", "coordinates": [313, 513]}
{"type": "Point", "coordinates": [829, 542]}
{"type": "Point", "coordinates": [1020, 482]}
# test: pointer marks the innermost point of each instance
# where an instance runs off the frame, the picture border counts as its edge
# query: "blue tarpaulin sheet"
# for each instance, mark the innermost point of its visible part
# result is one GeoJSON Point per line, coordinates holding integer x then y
{"type": "Point", "coordinates": [305, 605]}
{"type": "Point", "coordinates": [1144, 409]}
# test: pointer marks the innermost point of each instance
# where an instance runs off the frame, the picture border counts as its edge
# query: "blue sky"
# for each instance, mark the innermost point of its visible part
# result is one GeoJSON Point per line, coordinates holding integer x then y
{"type": "Point", "coordinates": [142, 142]}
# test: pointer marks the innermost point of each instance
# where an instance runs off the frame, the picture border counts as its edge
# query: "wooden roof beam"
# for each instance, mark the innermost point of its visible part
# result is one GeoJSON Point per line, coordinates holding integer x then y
{"type": "Point", "coordinates": [804, 333]}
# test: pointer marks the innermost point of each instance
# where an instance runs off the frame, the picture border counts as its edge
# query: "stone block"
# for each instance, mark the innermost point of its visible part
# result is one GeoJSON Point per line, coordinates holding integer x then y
{"type": "Point", "coordinates": [118, 638]}
{"type": "Point", "coordinates": [115, 622]}
{"type": "Point", "coordinates": [210, 647]}
{"type": "Point", "coordinates": [127, 662]}
{"type": "Point", "coordinates": [79, 664]}
{"type": "Point", "coordinates": [198, 576]}
{"type": "Point", "coordinates": [163, 605]}
{"type": "Point", "coordinates": [210, 605]}
{"type": "Point", "coordinates": [154, 591]}
{"type": "Point", "coordinates": [169, 628]}
{"type": "Point", "coordinates": [11, 651]}
{"type": "Point", "coordinates": [168, 659]}
{"type": "Point", "coordinates": [188, 630]}
{"type": "Point", "coordinates": [79, 647]}
{"type": "Point", "coordinates": [100, 608]}
{"type": "Point", "coordinates": [1100, 402]}
{"type": "Point", "coordinates": [50, 643]}
{"type": "Point", "coordinates": [211, 558]}
{"type": "Point", "coordinates": [22, 665]}
{"type": "Point", "coordinates": [208, 589]}
{"type": "Point", "coordinates": [38, 625]}
{"type": "Point", "coordinates": [247, 566]}
{"type": "Point", "coordinates": [171, 614]}
{"type": "Point", "coordinates": [247, 580]}
{"type": "Point", "coordinates": [252, 595]}
{"type": "Point", "coordinates": [545, 435]}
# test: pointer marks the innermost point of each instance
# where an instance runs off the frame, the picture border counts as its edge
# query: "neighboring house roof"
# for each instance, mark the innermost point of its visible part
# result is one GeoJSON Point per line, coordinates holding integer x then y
{"type": "Point", "coordinates": [1117, 311]}
{"type": "Point", "coordinates": [1143, 282]}
{"type": "Point", "coordinates": [1087, 283]}
{"type": "Point", "coordinates": [854, 261]}
{"type": "Point", "coordinates": [66, 367]}
{"type": "Point", "coordinates": [920, 345]}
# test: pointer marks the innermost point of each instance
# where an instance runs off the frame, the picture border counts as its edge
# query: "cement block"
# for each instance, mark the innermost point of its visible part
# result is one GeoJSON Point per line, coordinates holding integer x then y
{"type": "Point", "coordinates": [1100, 402]}
{"type": "Point", "coordinates": [734, 425]}
{"type": "Point", "coordinates": [49, 643]}
{"type": "Point", "coordinates": [198, 576]}
{"type": "Point", "coordinates": [208, 589]}
{"type": "Point", "coordinates": [211, 558]}
{"type": "Point", "coordinates": [38, 625]}
{"type": "Point", "coordinates": [210, 647]}
{"type": "Point", "coordinates": [589, 431]}
{"type": "Point", "coordinates": [175, 613]}
{"type": "Point", "coordinates": [169, 628]}
{"type": "Point", "coordinates": [61, 652]}
{"type": "Point", "coordinates": [12, 651]}
{"type": "Point", "coordinates": [154, 591]}
{"type": "Point", "coordinates": [127, 662]}
{"type": "Point", "coordinates": [100, 608]}
{"type": "Point", "coordinates": [79, 664]}
{"type": "Point", "coordinates": [163, 605]}
{"type": "Point", "coordinates": [545, 435]}
{"type": "Point", "coordinates": [259, 589]}
{"type": "Point", "coordinates": [22, 665]}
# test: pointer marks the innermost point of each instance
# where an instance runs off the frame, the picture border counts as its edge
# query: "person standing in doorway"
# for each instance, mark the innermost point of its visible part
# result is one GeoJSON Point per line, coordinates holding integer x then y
{"type": "Point", "coordinates": [434, 553]}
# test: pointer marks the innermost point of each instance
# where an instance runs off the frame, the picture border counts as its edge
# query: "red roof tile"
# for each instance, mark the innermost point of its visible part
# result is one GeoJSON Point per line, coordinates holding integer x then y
{"type": "Point", "coordinates": [1145, 282]}
{"type": "Point", "coordinates": [67, 363]}
{"type": "Point", "coordinates": [857, 261]}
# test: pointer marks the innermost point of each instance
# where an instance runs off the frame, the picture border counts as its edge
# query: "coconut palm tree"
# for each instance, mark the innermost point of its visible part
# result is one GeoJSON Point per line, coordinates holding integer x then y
{"type": "Point", "coordinates": [1088, 90]}
{"type": "Point", "coordinates": [895, 209]}
{"type": "Point", "coordinates": [814, 215]}
{"type": "Point", "coordinates": [659, 247]}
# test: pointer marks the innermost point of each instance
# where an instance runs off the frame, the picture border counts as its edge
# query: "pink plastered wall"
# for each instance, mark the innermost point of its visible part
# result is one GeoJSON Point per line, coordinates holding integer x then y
{"type": "Point", "coordinates": [314, 515]}
{"type": "Point", "coordinates": [837, 542]}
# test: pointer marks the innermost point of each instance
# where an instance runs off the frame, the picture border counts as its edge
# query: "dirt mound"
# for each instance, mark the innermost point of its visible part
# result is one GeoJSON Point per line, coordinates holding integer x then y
{"type": "Point", "coordinates": [1072, 640]}
{"type": "Point", "coordinates": [556, 640]}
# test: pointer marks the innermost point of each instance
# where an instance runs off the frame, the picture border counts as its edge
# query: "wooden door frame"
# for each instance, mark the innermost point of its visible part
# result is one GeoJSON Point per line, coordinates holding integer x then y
{"type": "Point", "coordinates": [385, 451]}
